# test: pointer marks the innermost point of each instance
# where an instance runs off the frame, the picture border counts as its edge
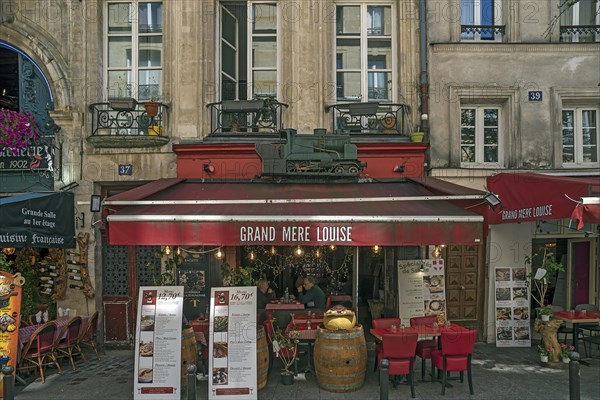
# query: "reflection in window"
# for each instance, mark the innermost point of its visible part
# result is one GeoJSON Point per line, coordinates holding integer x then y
{"type": "Point", "coordinates": [479, 135]}
{"type": "Point", "coordinates": [584, 13]}
{"type": "Point", "coordinates": [580, 136]}
{"type": "Point", "coordinates": [482, 14]}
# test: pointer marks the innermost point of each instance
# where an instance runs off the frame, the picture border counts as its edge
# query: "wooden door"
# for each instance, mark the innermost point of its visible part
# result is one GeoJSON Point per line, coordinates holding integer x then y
{"type": "Point", "coordinates": [464, 283]}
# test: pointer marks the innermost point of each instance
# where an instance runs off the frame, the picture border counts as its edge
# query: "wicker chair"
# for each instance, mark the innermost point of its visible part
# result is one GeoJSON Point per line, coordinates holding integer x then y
{"type": "Point", "coordinates": [39, 350]}
{"type": "Point", "coordinates": [67, 341]}
{"type": "Point", "coordinates": [88, 336]}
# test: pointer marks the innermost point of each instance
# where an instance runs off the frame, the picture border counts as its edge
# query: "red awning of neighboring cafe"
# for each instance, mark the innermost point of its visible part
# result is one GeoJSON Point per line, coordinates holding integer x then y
{"type": "Point", "coordinates": [192, 212]}
{"type": "Point", "coordinates": [532, 197]}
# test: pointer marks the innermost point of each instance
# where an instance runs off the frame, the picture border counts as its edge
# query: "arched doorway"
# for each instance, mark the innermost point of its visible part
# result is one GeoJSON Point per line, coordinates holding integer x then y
{"type": "Point", "coordinates": [24, 88]}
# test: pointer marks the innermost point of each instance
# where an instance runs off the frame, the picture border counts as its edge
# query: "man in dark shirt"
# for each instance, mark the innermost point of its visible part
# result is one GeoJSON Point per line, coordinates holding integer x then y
{"type": "Point", "coordinates": [313, 297]}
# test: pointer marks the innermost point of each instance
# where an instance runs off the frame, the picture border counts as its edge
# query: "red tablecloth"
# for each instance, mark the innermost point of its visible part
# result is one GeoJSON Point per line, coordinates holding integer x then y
{"type": "Point", "coordinates": [291, 306]}
{"type": "Point", "coordinates": [578, 316]}
{"type": "Point", "coordinates": [26, 331]}
{"type": "Point", "coordinates": [421, 330]}
{"type": "Point", "coordinates": [302, 328]}
{"type": "Point", "coordinates": [315, 317]}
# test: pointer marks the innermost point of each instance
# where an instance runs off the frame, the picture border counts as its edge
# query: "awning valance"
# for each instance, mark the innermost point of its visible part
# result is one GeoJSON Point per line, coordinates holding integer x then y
{"type": "Point", "coordinates": [43, 220]}
{"type": "Point", "coordinates": [187, 212]}
{"type": "Point", "coordinates": [532, 197]}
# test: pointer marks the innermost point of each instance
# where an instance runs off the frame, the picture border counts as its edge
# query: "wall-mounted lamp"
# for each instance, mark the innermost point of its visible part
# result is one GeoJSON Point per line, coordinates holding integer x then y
{"type": "Point", "coordinates": [299, 251]}
{"type": "Point", "coordinates": [209, 168]}
{"type": "Point", "coordinates": [493, 200]}
{"type": "Point", "coordinates": [167, 250]}
{"type": "Point", "coordinates": [376, 249]}
{"type": "Point", "coordinates": [422, 269]}
{"type": "Point", "coordinates": [437, 250]}
{"type": "Point", "coordinates": [95, 203]}
{"type": "Point", "coordinates": [81, 220]}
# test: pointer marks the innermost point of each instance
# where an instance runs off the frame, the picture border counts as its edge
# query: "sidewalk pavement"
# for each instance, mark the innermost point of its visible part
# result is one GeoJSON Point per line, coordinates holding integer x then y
{"type": "Point", "coordinates": [498, 373]}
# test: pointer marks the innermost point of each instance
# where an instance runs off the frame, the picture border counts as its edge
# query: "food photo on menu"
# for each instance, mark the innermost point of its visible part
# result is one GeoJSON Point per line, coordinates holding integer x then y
{"type": "Point", "coordinates": [221, 324]}
{"type": "Point", "coordinates": [434, 283]}
{"type": "Point", "coordinates": [220, 349]}
{"type": "Point", "coordinates": [521, 332]}
{"type": "Point", "coordinates": [502, 294]}
{"type": "Point", "coordinates": [503, 313]}
{"type": "Point", "coordinates": [219, 376]}
{"type": "Point", "coordinates": [145, 375]}
{"type": "Point", "coordinates": [147, 323]}
{"type": "Point", "coordinates": [520, 313]}
{"type": "Point", "coordinates": [146, 349]}
{"type": "Point", "coordinates": [504, 333]}
{"type": "Point", "coordinates": [434, 306]}
{"type": "Point", "coordinates": [519, 293]}
{"type": "Point", "coordinates": [519, 274]}
{"type": "Point", "coordinates": [503, 274]}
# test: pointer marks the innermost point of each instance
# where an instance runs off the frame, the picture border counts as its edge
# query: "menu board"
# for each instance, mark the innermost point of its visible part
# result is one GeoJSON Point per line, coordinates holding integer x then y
{"type": "Point", "coordinates": [10, 307]}
{"type": "Point", "coordinates": [512, 307]}
{"type": "Point", "coordinates": [232, 350]}
{"type": "Point", "coordinates": [158, 345]}
{"type": "Point", "coordinates": [421, 289]}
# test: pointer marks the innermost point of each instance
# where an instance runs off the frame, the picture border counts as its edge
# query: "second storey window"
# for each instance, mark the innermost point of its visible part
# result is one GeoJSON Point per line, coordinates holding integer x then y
{"type": "Point", "coordinates": [133, 49]}
{"type": "Point", "coordinates": [580, 136]}
{"type": "Point", "coordinates": [480, 136]}
{"type": "Point", "coordinates": [480, 20]}
{"type": "Point", "coordinates": [364, 56]}
{"type": "Point", "coordinates": [580, 22]}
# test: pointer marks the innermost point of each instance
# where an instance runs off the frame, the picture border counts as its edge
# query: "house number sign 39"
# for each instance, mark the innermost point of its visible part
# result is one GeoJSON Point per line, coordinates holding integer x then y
{"type": "Point", "coordinates": [535, 95]}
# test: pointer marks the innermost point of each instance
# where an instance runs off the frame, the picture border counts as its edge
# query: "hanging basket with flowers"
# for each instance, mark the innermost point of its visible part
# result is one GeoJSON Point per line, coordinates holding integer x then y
{"type": "Point", "coordinates": [17, 130]}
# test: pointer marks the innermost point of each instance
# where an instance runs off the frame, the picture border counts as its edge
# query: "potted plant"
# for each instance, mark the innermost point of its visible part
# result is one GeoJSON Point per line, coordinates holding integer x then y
{"type": "Point", "coordinates": [541, 279]}
{"type": "Point", "coordinates": [17, 130]}
{"type": "Point", "coordinates": [285, 346]}
{"type": "Point", "coordinates": [565, 352]}
{"type": "Point", "coordinates": [545, 313]}
{"type": "Point", "coordinates": [417, 137]}
{"type": "Point", "coordinates": [151, 107]}
{"type": "Point", "coordinates": [544, 353]}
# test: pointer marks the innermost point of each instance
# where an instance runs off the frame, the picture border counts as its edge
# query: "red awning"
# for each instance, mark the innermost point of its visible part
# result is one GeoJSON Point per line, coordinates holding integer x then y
{"type": "Point", "coordinates": [587, 211]}
{"type": "Point", "coordinates": [532, 197]}
{"type": "Point", "coordinates": [191, 212]}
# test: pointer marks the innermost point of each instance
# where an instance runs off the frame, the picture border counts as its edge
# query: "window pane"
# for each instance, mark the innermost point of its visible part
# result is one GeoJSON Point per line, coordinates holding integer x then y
{"type": "Point", "coordinates": [264, 52]}
{"type": "Point", "coordinates": [587, 12]}
{"type": "Point", "coordinates": [348, 86]}
{"type": "Point", "coordinates": [490, 154]}
{"type": "Point", "coordinates": [467, 154]}
{"type": "Point", "coordinates": [568, 138]}
{"type": "Point", "coordinates": [568, 156]}
{"type": "Point", "coordinates": [490, 117]}
{"type": "Point", "coordinates": [379, 85]}
{"type": "Point", "coordinates": [348, 53]}
{"type": "Point", "coordinates": [149, 84]}
{"type": "Point", "coordinates": [150, 51]}
{"type": "Point", "coordinates": [590, 154]}
{"type": "Point", "coordinates": [264, 18]}
{"type": "Point", "coordinates": [588, 123]}
{"type": "Point", "coordinates": [348, 20]}
{"type": "Point", "coordinates": [264, 83]}
{"type": "Point", "coordinates": [467, 117]}
{"type": "Point", "coordinates": [227, 88]}
{"type": "Point", "coordinates": [228, 60]}
{"type": "Point", "coordinates": [119, 52]}
{"type": "Point", "coordinates": [119, 84]}
{"type": "Point", "coordinates": [379, 21]}
{"type": "Point", "coordinates": [228, 28]}
{"type": "Point", "coordinates": [150, 18]}
{"type": "Point", "coordinates": [380, 54]}
{"type": "Point", "coordinates": [490, 136]}
{"type": "Point", "coordinates": [119, 18]}
{"type": "Point", "coordinates": [467, 135]}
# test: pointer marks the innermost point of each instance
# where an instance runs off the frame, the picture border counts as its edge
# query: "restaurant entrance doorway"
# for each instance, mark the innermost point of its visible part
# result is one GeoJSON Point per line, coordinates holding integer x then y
{"type": "Point", "coordinates": [582, 276]}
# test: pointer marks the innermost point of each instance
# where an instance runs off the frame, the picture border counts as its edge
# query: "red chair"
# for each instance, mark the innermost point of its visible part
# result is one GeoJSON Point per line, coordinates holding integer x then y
{"type": "Point", "coordinates": [382, 323]}
{"type": "Point", "coordinates": [399, 349]}
{"type": "Point", "coordinates": [455, 355]}
{"type": "Point", "coordinates": [39, 351]}
{"type": "Point", "coordinates": [283, 352]}
{"type": "Point", "coordinates": [427, 346]}
{"type": "Point", "coordinates": [66, 343]}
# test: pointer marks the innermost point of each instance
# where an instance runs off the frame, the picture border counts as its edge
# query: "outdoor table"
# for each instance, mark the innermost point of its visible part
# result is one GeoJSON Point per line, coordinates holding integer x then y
{"type": "Point", "coordinates": [315, 318]}
{"type": "Point", "coordinates": [305, 335]}
{"type": "Point", "coordinates": [26, 331]}
{"type": "Point", "coordinates": [575, 319]}
{"type": "Point", "coordinates": [284, 306]}
{"type": "Point", "coordinates": [422, 330]}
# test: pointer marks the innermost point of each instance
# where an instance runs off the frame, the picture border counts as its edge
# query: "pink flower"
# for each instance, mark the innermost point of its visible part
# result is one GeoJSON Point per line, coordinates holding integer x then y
{"type": "Point", "coordinates": [17, 130]}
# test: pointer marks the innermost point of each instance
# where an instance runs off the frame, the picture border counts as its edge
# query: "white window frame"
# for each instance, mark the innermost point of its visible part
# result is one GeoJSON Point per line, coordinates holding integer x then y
{"type": "Point", "coordinates": [575, 21]}
{"type": "Point", "coordinates": [364, 51]}
{"type": "Point", "coordinates": [479, 136]}
{"type": "Point", "coordinates": [134, 68]}
{"type": "Point", "coordinates": [250, 59]}
{"type": "Point", "coordinates": [477, 20]}
{"type": "Point", "coordinates": [577, 137]}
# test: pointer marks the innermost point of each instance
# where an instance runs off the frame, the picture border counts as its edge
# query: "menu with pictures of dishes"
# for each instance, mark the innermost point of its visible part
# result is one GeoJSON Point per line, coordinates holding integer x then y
{"type": "Point", "coordinates": [232, 348]}
{"type": "Point", "coordinates": [157, 372]}
{"type": "Point", "coordinates": [512, 306]}
{"type": "Point", "coordinates": [421, 289]}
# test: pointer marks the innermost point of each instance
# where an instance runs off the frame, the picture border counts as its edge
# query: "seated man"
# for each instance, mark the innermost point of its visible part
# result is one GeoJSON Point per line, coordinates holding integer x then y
{"type": "Point", "coordinates": [313, 297]}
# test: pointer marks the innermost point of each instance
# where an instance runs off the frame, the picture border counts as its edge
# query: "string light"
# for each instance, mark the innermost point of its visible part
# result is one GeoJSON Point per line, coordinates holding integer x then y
{"type": "Point", "coordinates": [219, 254]}
{"type": "Point", "coordinates": [299, 251]}
{"type": "Point", "coordinates": [318, 252]}
{"type": "Point", "coordinates": [9, 251]}
{"type": "Point", "coordinates": [376, 249]}
{"type": "Point", "coordinates": [273, 250]}
{"type": "Point", "coordinates": [437, 250]}
{"type": "Point", "coordinates": [168, 250]}
{"type": "Point", "coordinates": [332, 247]}
{"type": "Point", "coordinates": [252, 255]}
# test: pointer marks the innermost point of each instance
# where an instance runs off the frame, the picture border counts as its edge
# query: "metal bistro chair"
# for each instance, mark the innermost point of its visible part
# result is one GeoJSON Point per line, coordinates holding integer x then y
{"type": "Point", "coordinates": [562, 329]}
{"type": "Point", "coordinates": [426, 346]}
{"type": "Point", "coordinates": [399, 349]}
{"type": "Point", "coordinates": [88, 336]}
{"type": "Point", "coordinates": [382, 323]}
{"type": "Point", "coordinates": [589, 332]}
{"type": "Point", "coordinates": [67, 341]}
{"type": "Point", "coordinates": [39, 350]}
{"type": "Point", "coordinates": [455, 355]}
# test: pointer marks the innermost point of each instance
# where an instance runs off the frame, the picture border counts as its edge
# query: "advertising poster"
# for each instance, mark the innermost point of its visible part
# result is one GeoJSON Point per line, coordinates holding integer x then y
{"type": "Point", "coordinates": [512, 307]}
{"type": "Point", "coordinates": [157, 372]}
{"type": "Point", "coordinates": [421, 289]}
{"type": "Point", "coordinates": [232, 348]}
{"type": "Point", "coordinates": [10, 307]}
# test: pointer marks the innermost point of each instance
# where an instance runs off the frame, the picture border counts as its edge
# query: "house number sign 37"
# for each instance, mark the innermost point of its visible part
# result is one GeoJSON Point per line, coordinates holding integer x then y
{"type": "Point", "coordinates": [125, 169]}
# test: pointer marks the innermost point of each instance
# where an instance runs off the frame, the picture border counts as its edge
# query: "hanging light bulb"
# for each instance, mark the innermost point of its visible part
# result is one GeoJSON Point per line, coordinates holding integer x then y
{"type": "Point", "coordinates": [9, 251]}
{"type": "Point", "coordinates": [299, 251]}
{"type": "Point", "coordinates": [318, 252]}
{"type": "Point", "coordinates": [252, 255]}
{"type": "Point", "coordinates": [219, 254]}
{"type": "Point", "coordinates": [437, 251]}
{"type": "Point", "coordinates": [376, 249]}
{"type": "Point", "coordinates": [178, 251]}
{"type": "Point", "coordinates": [168, 250]}
{"type": "Point", "coordinates": [332, 247]}
{"type": "Point", "coordinates": [273, 250]}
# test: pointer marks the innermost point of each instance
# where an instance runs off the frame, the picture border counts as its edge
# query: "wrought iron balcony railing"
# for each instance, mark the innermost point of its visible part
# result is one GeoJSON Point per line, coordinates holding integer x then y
{"type": "Point", "coordinates": [371, 118]}
{"type": "Point", "coordinates": [482, 32]}
{"type": "Point", "coordinates": [127, 117]}
{"type": "Point", "coordinates": [580, 33]}
{"type": "Point", "coordinates": [246, 117]}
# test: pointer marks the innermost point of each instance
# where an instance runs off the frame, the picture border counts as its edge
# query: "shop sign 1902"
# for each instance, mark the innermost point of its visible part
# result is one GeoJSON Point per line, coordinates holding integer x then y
{"type": "Point", "coordinates": [37, 157]}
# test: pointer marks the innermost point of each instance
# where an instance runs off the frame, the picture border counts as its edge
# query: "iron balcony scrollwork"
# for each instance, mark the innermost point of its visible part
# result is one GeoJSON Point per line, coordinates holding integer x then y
{"type": "Point", "coordinates": [371, 118]}
{"type": "Point", "coordinates": [242, 117]}
{"type": "Point", "coordinates": [486, 31]}
{"type": "Point", "coordinates": [580, 33]}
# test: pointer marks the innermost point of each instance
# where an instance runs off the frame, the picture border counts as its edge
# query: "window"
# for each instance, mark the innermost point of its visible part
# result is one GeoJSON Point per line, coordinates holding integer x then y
{"type": "Point", "coordinates": [364, 43]}
{"type": "Point", "coordinates": [249, 50]}
{"type": "Point", "coordinates": [580, 136]}
{"type": "Point", "coordinates": [481, 20]}
{"type": "Point", "coordinates": [480, 136]}
{"type": "Point", "coordinates": [581, 22]}
{"type": "Point", "coordinates": [134, 46]}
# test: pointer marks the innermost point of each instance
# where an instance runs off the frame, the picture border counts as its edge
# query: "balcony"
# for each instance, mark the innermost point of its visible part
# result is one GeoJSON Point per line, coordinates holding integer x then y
{"type": "Point", "coordinates": [371, 118]}
{"type": "Point", "coordinates": [482, 32]}
{"type": "Point", "coordinates": [580, 33]}
{"type": "Point", "coordinates": [124, 123]}
{"type": "Point", "coordinates": [247, 118]}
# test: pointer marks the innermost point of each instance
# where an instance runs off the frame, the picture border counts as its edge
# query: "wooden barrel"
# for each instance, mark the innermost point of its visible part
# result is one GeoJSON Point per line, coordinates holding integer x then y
{"type": "Point", "coordinates": [340, 359]}
{"type": "Point", "coordinates": [262, 358]}
{"type": "Point", "coordinates": [189, 353]}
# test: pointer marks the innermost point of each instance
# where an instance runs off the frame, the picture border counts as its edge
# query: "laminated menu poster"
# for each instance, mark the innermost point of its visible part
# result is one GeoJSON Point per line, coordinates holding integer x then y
{"type": "Point", "coordinates": [421, 289]}
{"type": "Point", "coordinates": [10, 316]}
{"type": "Point", "coordinates": [157, 373]}
{"type": "Point", "coordinates": [232, 348]}
{"type": "Point", "coordinates": [512, 307]}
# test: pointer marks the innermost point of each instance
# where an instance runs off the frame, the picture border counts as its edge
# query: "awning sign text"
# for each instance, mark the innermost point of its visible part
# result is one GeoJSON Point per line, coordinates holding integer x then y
{"type": "Point", "coordinates": [529, 212]}
{"type": "Point", "coordinates": [296, 234]}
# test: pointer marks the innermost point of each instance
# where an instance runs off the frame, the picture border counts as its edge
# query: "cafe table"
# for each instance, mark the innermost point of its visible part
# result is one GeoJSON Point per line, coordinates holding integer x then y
{"type": "Point", "coordinates": [315, 318]}
{"type": "Point", "coordinates": [305, 333]}
{"type": "Point", "coordinates": [422, 330]}
{"type": "Point", "coordinates": [284, 306]}
{"type": "Point", "coordinates": [576, 318]}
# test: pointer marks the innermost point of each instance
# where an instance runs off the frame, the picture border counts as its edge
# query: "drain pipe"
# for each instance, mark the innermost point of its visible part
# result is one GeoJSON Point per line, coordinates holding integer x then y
{"type": "Point", "coordinates": [424, 82]}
